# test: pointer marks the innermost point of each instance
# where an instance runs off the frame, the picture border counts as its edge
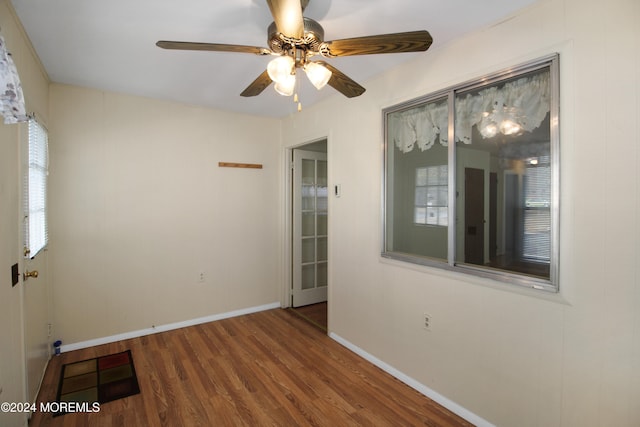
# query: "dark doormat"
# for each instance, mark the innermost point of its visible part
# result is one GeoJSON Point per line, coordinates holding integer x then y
{"type": "Point", "coordinates": [98, 380]}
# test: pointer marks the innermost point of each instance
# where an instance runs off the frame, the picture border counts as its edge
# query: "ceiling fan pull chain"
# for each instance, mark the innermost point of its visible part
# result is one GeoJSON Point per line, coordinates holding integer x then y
{"type": "Point", "coordinates": [296, 100]}
{"type": "Point", "coordinates": [295, 96]}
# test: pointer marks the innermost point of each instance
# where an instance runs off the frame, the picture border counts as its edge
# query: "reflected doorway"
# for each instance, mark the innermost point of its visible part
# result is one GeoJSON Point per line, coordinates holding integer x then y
{"type": "Point", "coordinates": [474, 216]}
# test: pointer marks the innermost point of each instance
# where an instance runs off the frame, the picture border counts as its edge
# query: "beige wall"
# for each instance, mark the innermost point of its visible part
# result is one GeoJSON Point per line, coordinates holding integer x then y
{"type": "Point", "coordinates": [514, 358]}
{"type": "Point", "coordinates": [35, 87]}
{"type": "Point", "coordinates": [139, 207]}
{"type": "Point", "coordinates": [11, 350]}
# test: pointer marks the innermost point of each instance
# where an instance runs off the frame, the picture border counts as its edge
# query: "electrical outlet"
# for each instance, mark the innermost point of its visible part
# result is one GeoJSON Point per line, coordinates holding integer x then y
{"type": "Point", "coordinates": [201, 277]}
{"type": "Point", "coordinates": [427, 321]}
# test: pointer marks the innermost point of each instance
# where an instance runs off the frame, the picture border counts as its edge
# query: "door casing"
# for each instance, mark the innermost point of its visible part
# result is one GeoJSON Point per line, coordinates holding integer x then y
{"type": "Point", "coordinates": [322, 144]}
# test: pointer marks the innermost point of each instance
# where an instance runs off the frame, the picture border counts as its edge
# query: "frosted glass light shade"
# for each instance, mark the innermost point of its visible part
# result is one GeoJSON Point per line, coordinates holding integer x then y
{"type": "Point", "coordinates": [318, 75]}
{"type": "Point", "coordinates": [286, 86]}
{"type": "Point", "coordinates": [280, 68]}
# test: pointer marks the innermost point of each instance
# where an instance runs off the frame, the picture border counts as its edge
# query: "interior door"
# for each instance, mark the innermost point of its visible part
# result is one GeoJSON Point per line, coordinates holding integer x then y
{"type": "Point", "coordinates": [35, 295]}
{"type": "Point", "coordinates": [310, 232]}
{"type": "Point", "coordinates": [36, 323]}
{"type": "Point", "coordinates": [493, 216]}
{"type": "Point", "coordinates": [474, 216]}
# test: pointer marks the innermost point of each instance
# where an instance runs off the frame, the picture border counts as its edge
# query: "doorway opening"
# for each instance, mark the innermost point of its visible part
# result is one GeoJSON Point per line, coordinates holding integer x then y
{"type": "Point", "coordinates": [309, 261]}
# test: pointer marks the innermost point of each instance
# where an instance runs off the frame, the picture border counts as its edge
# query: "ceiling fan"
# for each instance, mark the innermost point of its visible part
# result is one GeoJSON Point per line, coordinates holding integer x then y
{"type": "Point", "coordinates": [294, 40]}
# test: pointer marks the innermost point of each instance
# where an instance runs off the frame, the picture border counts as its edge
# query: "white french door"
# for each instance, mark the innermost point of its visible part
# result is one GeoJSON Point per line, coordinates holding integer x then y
{"type": "Point", "coordinates": [310, 231]}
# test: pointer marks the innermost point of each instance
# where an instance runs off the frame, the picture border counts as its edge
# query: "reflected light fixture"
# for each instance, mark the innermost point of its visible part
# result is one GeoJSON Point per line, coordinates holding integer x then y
{"type": "Point", "coordinates": [488, 128]}
{"type": "Point", "coordinates": [505, 121]}
{"type": "Point", "coordinates": [509, 127]}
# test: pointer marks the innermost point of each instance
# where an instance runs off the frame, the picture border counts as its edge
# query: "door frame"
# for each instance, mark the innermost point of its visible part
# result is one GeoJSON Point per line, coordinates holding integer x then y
{"type": "Point", "coordinates": [287, 259]}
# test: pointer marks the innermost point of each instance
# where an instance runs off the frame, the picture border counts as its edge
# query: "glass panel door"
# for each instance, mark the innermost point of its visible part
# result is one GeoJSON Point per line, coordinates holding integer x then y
{"type": "Point", "coordinates": [309, 228]}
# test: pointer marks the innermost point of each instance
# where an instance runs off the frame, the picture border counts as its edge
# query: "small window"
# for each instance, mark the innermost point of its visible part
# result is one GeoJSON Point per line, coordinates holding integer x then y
{"type": "Point", "coordinates": [35, 191]}
{"type": "Point", "coordinates": [472, 179]}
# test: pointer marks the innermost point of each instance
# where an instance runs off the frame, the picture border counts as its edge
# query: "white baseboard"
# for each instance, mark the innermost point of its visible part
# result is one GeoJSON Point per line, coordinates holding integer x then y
{"type": "Point", "coordinates": [164, 328]}
{"type": "Point", "coordinates": [431, 394]}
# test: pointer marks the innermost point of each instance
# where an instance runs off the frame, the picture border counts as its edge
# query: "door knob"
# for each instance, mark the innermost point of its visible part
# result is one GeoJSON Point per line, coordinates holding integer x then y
{"type": "Point", "coordinates": [28, 274]}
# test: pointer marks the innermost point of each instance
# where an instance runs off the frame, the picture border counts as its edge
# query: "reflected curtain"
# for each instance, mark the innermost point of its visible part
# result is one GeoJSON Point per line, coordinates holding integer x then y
{"type": "Point", "coordinates": [11, 98]}
{"type": "Point", "coordinates": [525, 101]}
{"type": "Point", "coordinates": [419, 126]}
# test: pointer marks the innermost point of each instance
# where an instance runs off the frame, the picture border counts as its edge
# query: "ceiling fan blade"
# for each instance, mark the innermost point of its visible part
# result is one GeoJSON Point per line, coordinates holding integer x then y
{"type": "Point", "coordinates": [258, 85]}
{"type": "Point", "coordinates": [413, 41]}
{"type": "Point", "coordinates": [287, 15]}
{"type": "Point", "coordinates": [213, 47]}
{"type": "Point", "coordinates": [341, 82]}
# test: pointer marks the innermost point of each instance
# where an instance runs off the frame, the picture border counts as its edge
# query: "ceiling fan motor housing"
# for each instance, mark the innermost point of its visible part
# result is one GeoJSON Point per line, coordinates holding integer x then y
{"type": "Point", "coordinates": [310, 42]}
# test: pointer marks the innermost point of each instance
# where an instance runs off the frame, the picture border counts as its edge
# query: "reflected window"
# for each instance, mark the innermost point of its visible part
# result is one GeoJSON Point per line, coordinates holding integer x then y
{"type": "Point", "coordinates": [537, 210]}
{"type": "Point", "coordinates": [417, 213]}
{"type": "Point", "coordinates": [431, 193]}
{"type": "Point", "coordinates": [487, 199]}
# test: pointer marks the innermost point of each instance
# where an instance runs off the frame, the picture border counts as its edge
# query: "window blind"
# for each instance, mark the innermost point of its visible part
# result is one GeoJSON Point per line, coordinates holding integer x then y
{"type": "Point", "coordinates": [537, 214]}
{"type": "Point", "coordinates": [35, 190]}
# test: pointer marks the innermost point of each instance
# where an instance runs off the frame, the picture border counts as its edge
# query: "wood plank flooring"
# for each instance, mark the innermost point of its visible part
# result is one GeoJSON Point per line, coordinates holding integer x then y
{"type": "Point", "coordinates": [314, 313]}
{"type": "Point", "coordinates": [265, 369]}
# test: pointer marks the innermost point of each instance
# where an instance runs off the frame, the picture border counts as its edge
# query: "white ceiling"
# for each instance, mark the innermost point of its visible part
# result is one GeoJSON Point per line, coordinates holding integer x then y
{"type": "Point", "coordinates": [110, 44]}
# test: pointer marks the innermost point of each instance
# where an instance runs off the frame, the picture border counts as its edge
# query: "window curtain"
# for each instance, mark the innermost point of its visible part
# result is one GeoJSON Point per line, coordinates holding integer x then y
{"type": "Point", "coordinates": [11, 98]}
{"type": "Point", "coordinates": [525, 100]}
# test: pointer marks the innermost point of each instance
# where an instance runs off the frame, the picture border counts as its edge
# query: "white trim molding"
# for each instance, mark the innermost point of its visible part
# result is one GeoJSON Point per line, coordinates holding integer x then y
{"type": "Point", "coordinates": [169, 327]}
{"type": "Point", "coordinates": [431, 394]}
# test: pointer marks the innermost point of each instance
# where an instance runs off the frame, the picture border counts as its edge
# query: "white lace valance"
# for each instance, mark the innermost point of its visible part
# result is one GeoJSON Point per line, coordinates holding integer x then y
{"type": "Point", "coordinates": [11, 97]}
{"type": "Point", "coordinates": [519, 106]}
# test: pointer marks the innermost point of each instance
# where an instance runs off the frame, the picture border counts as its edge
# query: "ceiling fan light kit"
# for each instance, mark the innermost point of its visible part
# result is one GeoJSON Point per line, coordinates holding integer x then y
{"type": "Point", "coordinates": [295, 40]}
{"type": "Point", "coordinates": [286, 86]}
{"type": "Point", "coordinates": [318, 74]}
{"type": "Point", "coordinates": [280, 68]}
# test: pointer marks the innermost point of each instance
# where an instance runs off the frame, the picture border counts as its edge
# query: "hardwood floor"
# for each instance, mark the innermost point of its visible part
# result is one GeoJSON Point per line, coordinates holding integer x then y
{"type": "Point", "coordinates": [269, 368]}
{"type": "Point", "coordinates": [314, 313]}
